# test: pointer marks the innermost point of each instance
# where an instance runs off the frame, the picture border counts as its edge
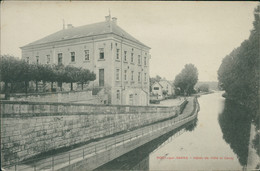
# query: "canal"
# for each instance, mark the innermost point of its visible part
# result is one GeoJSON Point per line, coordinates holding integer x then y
{"type": "Point", "coordinates": [216, 140]}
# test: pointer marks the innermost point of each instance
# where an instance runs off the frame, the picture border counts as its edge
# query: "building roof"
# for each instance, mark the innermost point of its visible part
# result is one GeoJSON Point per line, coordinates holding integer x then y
{"type": "Point", "coordinates": [166, 81]}
{"type": "Point", "coordinates": [157, 83]}
{"type": "Point", "coordinates": [84, 31]}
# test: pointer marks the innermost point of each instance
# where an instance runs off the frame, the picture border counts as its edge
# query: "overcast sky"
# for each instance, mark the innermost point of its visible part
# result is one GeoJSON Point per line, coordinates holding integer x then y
{"type": "Point", "coordinates": [201, 33]}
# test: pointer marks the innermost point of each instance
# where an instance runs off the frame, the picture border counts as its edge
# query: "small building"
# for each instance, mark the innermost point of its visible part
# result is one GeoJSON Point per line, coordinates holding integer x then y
{"type": "Point", "coordinates": [167, 87]}
{"type": "Point", "coordinates": [120, 61]}
{"type": "Point", "coordinates": [162, 89]}
{"type": "Point", "coordinates": [157, 90]}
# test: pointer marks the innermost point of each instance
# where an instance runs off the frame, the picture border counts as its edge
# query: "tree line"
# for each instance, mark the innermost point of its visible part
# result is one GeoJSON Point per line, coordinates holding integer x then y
{"type": "Point", "coordinates": [239, 75]}
{"type": "Point", "coordinates": [14, 71]}
{"type": "Point", "coordinates": [203, 87]}
{"type": "Point", "coordinates": [239, 72]}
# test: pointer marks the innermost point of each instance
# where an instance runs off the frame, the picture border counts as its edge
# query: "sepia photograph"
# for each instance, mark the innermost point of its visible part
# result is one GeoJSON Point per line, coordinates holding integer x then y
{"type": "Point", "coordinates": [130, 85]}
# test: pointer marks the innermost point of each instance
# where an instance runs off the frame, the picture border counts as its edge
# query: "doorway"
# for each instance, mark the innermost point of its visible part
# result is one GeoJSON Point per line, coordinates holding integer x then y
{"type": "Point", "coordinates": [101, 77]}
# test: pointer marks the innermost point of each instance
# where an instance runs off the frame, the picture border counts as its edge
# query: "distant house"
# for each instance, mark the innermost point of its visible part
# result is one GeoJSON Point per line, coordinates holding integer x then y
{"type": "Point", "coordinates": [167, 86]}
{"type": "Point", "coordinates": [157, 90]}
{"type": "Point", "coordinates": [162, 89]}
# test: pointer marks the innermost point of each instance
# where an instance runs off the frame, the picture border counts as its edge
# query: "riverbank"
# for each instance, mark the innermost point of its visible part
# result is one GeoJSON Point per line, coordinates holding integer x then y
{"type": "Point", "coordinates": [39, 128]}
{"type": "Point", "coordinates": [112, 144]}
{"type": "Point", "coordinates": [203, 93]}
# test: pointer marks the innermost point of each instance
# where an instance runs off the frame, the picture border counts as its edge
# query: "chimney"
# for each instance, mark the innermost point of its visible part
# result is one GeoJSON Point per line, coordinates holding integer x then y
{"type": "Point", "coordinates": [114, 19]}
{"type": "Point", "coordinates": [107, 18]}
{"type": "Point", "coordinates": [69, 26]}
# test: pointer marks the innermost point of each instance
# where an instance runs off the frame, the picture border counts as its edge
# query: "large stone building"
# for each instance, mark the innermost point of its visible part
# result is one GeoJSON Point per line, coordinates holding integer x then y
{"type": "Point", "coordinates": [120, 62]}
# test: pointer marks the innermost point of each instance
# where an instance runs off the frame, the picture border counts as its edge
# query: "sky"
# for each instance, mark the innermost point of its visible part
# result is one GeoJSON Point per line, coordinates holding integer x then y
{"type": "Point", "coordinates": [179, 33]}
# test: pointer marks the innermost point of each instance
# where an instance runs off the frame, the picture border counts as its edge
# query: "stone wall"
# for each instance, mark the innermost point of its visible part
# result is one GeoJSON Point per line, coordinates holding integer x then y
{"type": "Point", "coordinates": [70, 96]}
{"type": "Point", "coordinates": [31, 128]}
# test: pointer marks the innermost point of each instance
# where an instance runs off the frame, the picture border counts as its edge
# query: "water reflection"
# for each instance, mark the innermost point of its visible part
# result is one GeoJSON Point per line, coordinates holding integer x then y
{"type": "Point", "coordinates": [138, 159]}
{"type": "Point", "coordinates": [235, 125]}
{"type": "Point", "coordinates": [203, 147]}
{"type": "Point", "coordinates": [192, 126]}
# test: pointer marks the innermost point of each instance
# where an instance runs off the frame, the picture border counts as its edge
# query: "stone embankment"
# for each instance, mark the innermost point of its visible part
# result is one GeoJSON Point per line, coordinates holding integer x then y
{"type": "Point", "coordinates": [69, 96]}
{"type": "Point", "coordinates": [34, 128]}
{"type": "Point", "coordinates": [95, 154]}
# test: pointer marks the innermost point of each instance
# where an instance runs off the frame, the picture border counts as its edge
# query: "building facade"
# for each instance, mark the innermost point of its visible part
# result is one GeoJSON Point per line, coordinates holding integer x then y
{"type": "Point", "coordinates": [120, 62]}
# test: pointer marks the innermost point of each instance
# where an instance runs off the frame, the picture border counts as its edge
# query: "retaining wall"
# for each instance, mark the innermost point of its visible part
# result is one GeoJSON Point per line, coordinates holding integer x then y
{"type": "Point", "coordinates": [70, 96]}
{"type": "Point", "coordinates": [102, 157]}
{"type": "Point", "coordinates": [31, 128]}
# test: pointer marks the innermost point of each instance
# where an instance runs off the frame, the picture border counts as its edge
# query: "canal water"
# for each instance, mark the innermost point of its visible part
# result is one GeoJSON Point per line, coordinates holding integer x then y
{"type": "Point", "coordinates": [216, 140]}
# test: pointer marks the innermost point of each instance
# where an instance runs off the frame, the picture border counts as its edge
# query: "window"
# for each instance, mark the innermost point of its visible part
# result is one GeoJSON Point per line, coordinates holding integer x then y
{"type": "Point", "coordinates": [144, 61]}
{"type": "Point", "coordinates": [132, 57]}
{"type": "Point", "coordinates": [72, 54]}
{"type": "Point", "coordinates": [139, 76]}
{"type": "Point", "coordinates": [48, 59]}
{"type": "Point", "coordinates": [156, 88]}
{"type": "Point", "coordinates": [101, 53]}
{"type": "Point", "coordinates": [125, 75]}
{"type": "Point", "coordinates": [28, 59]}
{"type": "Point", "coordinates": [117, 53]}
{"type": "Point", "coordinates": [86, 55]}
{"type": "Point", "coordinates": [59, 58]}
{"type": "Point", "coordinates": [145, 77]}
{"type": "Point", "coordinates": [118, 94]}
{"type": "Point", "coordinates": [131, 99]}
{"type": "Point", "coordinates": [37, 59]}
{"type": "Point", "coordinates": [132, 75]}
{"type": "Point", "coordinates": [125, 56]}
{"type": "Point", "coordinates": [101, 77]}
{"type": "Point", "coordinates": [139, 60]}
{"type": "Point", "coordinates": [117, 74]}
